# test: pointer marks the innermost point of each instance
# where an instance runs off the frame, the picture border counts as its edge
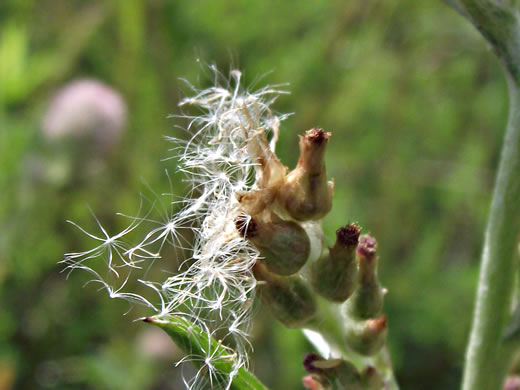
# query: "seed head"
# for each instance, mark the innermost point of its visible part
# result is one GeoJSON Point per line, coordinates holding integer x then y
{"type": "Point", "coordinates": [227, 156]}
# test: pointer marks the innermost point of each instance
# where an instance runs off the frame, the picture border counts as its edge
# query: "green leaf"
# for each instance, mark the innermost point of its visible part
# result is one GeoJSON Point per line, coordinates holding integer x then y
{"type": "Point", "coordinates": [198, 343]}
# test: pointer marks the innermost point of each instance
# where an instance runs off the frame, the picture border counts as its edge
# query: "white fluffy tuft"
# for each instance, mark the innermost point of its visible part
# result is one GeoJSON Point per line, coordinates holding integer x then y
{"type": "Point", "coordinates": [215, 285]}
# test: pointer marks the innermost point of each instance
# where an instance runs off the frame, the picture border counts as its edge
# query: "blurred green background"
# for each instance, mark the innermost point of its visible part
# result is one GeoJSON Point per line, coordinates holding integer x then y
{"type": "Point", "coordinates": [414, 99]}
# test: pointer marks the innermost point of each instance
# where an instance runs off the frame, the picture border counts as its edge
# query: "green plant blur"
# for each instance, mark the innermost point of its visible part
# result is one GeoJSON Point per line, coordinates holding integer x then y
{"type": "Point", "coordinates": [413, 97]}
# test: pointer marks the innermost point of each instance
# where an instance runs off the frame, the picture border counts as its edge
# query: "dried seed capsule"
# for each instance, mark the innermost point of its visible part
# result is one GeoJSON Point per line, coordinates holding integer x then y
{"type": "Point", "coordinates": [284, 245]}
{"type": "Point", "coordinates": [289, 298]}
{"type": "Point", "coordinates": [306, 193]}
{"type": "Point", "coordinates": [334, 274]}
{"type": "Point", "coordinates": [367, 301]}
{"type": "Point", "coordinates": [270, 172]}
{"type": "Point", "coordinates": [366, 337]}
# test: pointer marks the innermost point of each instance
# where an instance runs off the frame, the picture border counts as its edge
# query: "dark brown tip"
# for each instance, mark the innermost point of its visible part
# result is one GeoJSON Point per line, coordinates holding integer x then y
{"type": "Point", "coordinates": [348, 235]}
{"type": "Point", "coordinates": [367, 246]}
{"type": "Point", "coordinates": [247, 227]}
{"type": "Point", "coordinates": [317, 135]}
{"type": "Point", "coordinates": [369, 371]}
{"type": "Point", "coordinates": [308, 363]}
{"type": "Point", "coordinates": [148, 319]}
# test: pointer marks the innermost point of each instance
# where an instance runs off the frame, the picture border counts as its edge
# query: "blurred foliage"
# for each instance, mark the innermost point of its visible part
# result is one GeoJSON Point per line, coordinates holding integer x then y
{"type": "Point", "coordinates": [414, 99]}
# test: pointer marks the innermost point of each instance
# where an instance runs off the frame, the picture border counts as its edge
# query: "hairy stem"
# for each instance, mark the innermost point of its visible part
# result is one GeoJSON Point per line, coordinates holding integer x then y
{"type": "Point", "coordinates": [487, 356]}
{"type": "Point", "coordinates": [487, 359]}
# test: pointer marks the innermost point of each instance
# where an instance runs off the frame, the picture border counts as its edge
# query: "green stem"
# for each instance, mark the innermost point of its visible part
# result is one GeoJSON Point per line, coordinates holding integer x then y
{"type": "Point", "coordinates": [497, 21]}
{"type": "Point", "coordinates": [488, 357]}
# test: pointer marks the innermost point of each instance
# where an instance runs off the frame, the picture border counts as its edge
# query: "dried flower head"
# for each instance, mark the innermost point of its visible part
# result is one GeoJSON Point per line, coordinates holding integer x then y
{"type": "Point", "coordinates": [230, 162]}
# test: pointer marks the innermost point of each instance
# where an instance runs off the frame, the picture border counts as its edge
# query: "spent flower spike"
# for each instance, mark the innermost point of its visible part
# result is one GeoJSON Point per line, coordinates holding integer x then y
{"type": "Point", "coordinates": [249, 225]}
{"type": "Point", "coordinates": [228, 156]}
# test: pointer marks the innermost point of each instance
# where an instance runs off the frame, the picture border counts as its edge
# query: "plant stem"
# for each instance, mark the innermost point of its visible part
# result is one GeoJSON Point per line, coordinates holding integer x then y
{"type": "Point", "coordinates": [488, 357]}
{"type": "Point", "coordinates": [383, 362]}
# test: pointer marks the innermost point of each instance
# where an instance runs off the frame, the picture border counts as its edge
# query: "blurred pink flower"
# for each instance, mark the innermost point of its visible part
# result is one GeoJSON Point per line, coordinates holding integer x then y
{"type": "Point", "coordinates": [87, 110]}
{"type": "Point", "coordinates": [512, 383]}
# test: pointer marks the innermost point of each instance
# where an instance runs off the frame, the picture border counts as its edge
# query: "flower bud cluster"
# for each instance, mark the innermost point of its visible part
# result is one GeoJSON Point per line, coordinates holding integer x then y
{"type": "Point", "coordinates": [273, 225]}
{"type": "Point", "coordinates": [279, 216]}
{"type": "Point", "coordinates": [344, 274]}
{"type": "Point", "coordinates": [255, 230]}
